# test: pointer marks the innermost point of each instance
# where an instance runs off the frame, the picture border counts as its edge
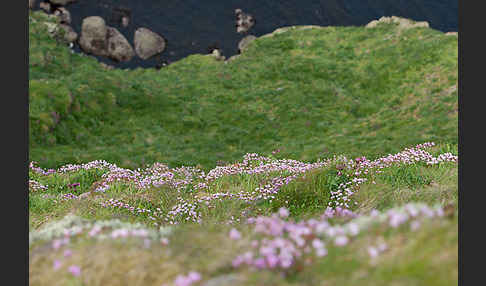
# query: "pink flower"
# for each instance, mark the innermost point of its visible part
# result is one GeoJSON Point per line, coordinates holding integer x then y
{"type": "Point", "coordinates": [67, 253]}
{"type": "Point", "coordinates": [234, 234]}
{"type": "Point", "coordinates": [321, 252]}
{"type": "Point", "coordinates": [56, 243]}
{"type": "Point", "coordinates": [341, 240]}
{"type": "Point", "coordinates": [182, 280]}
{"type": "Point", "coordinates": [74, 270]}
{"type": "Point", "coordinates": [57, 264]}
{"type": "Point", "coordinates": [194, 276]}
{"type": "Point", "coordinates": [317, 243]}
{"type": "Point", "coordinates": [373, 252]}
{"type": "Point", "coordinates": [283, 212]}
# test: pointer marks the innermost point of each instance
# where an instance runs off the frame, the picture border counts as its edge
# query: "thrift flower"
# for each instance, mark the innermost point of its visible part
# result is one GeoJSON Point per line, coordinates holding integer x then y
{"type": "Point", "coordinates": [74, 270]}
{"type": "Point", "coordinates": [57, 264]}
{"type": "Point", "coordinates": [283, 212]}
{"type": "Point", "coordinates": [341, 240]}
{"type": "Point", "coordinates": [234, 234]}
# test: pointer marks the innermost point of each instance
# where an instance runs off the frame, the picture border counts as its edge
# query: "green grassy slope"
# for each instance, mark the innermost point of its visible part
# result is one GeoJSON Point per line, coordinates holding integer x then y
{"type": "Point", "coordinates": [310, 93]}
{"type": "Point", "coordinates": [425, 255]}
{"type": "Point", "coordinates": [313, 94]}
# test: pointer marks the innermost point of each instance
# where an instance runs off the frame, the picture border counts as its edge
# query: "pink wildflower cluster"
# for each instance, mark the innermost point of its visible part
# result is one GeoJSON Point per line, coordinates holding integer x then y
{"type": "Point", "coordinates": [285, 243]}
{"type": "Point", "coordinates": [33, 166]}
{"type": "Point", "coordinates": [358, 168]}
{"type": "Point", "coordinates": [283, 172]}
{"type": "Point", "coordinates": [35, 186]}
{"type": "Point", "coordinates": [69, 196]}
{"type": "Point", "coordinates": [184, 211]}
{"type": "Point", "coordinates": [338, 212]}
{"type": "Point", "coordinates": [255, 164]}
{"type": "Point", "coordinates": [114, 203]}
{"type": "Point", "coordinates": [187, 280]}
{"type": "Point", "coordinates": [251, 164]}
{"type": "Point", "coordinates": [97, 164]}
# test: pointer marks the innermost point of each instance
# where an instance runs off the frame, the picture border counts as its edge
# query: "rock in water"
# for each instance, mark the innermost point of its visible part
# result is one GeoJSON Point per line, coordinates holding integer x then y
{"type": "Point", "coordinates": [61, 2]}
{"type": "Point", "coordinates": [217, 55]}
{"type": "Point", "coordinates": [93, 36]}
{"type": "Point", "coordinates": [45, 6]}
{"type": "Point", "coordinates": [101, 40]}
{"type": "Point", "coordinates": [244, 22]}
{"type": "Point", "coordinates": [244, 43]}
{"type": "Point", "coordinates": [63, 15]}
{"type": "Point", "coordinates": [148, 43]}
{"type": "Point", "coordinates": [119, 48]}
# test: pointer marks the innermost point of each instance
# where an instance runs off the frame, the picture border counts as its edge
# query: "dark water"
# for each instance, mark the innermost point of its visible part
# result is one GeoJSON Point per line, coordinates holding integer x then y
{"type": "Point", "coordinates": [192, 26]}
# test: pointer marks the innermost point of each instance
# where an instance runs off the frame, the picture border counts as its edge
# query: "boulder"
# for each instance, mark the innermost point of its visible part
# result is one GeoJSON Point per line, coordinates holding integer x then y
{"type": "Point", "coordinates": [101, 40]}
{"type": "Point", "coordinates": [31, 4]}
{"type": "Point", "coordinates": [46, 6]}
{"type": "Point", "coordinates": [63, 15]}
{"type": "Point", "coordinates": [94, 34]}
{"type": "Point", "coordinates": [61, 2]}
{"type": "Point", "coordinates": [119, 49]}
{"type": "Point", "coordinates": [403, 23]}
{"type": "Point", "coordinates": [451, 34]}
{"type": "Point", "coordinates": [244, 43]}
{"type": "Point", "coordinates": [217, 55]}
{"type": "Point", "coordinates": [69, 34]}
{"type": "Point", "coordinates": [148, 43]}
{"type": "Point", "coordinates": [244, 22]}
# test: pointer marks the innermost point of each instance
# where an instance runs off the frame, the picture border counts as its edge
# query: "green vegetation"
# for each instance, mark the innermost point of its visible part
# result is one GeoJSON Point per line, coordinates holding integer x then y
{"type": "Point", "coordinates": [325, 95]}
{"type": "Point", "coordinates": [312, 93]}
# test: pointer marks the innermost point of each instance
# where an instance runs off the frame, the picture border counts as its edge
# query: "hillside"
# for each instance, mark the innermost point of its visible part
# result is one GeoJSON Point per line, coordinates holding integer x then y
{"type": "Point", "coordinates": [319, 156]}
{"type": "Point", "coordinates": [311, 93]}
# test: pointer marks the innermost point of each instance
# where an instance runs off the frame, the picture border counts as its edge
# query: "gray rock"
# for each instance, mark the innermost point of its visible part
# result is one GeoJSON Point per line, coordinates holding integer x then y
{"type": "Point", "coordinates": [63, 15]}
{"type": "Point", "coordinates": [119, 48]}
{"type": "Point", "coordinates": [93, 36]}
{"type": "Point", "coordinates": [61, 2]}
{"type": "Point", "coordinates": [148, 43]}
{"type": "Point", "coordinates": [69, 34]}
{"type": "Point", "coordinates": [217, 55]}
{"type": "Point", "coordinates": [244, 42]}
{"type": "Point", "coordinates": [101, 40]}
{"type": "Point", "coordinates": [244, 22]}
{"type": "Point", "coordinates": [45, 6]}
{"type": "Point", "coordinates": [403, 23]}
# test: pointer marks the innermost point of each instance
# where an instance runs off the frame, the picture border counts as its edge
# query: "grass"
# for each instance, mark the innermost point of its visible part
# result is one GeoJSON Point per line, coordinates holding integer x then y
{"type": "Point", "coordinates": [323, 95]}
{"type": "Point", "coordinates": [413, 257]}
{"type": "Point", "coordinates": [311, 93]}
